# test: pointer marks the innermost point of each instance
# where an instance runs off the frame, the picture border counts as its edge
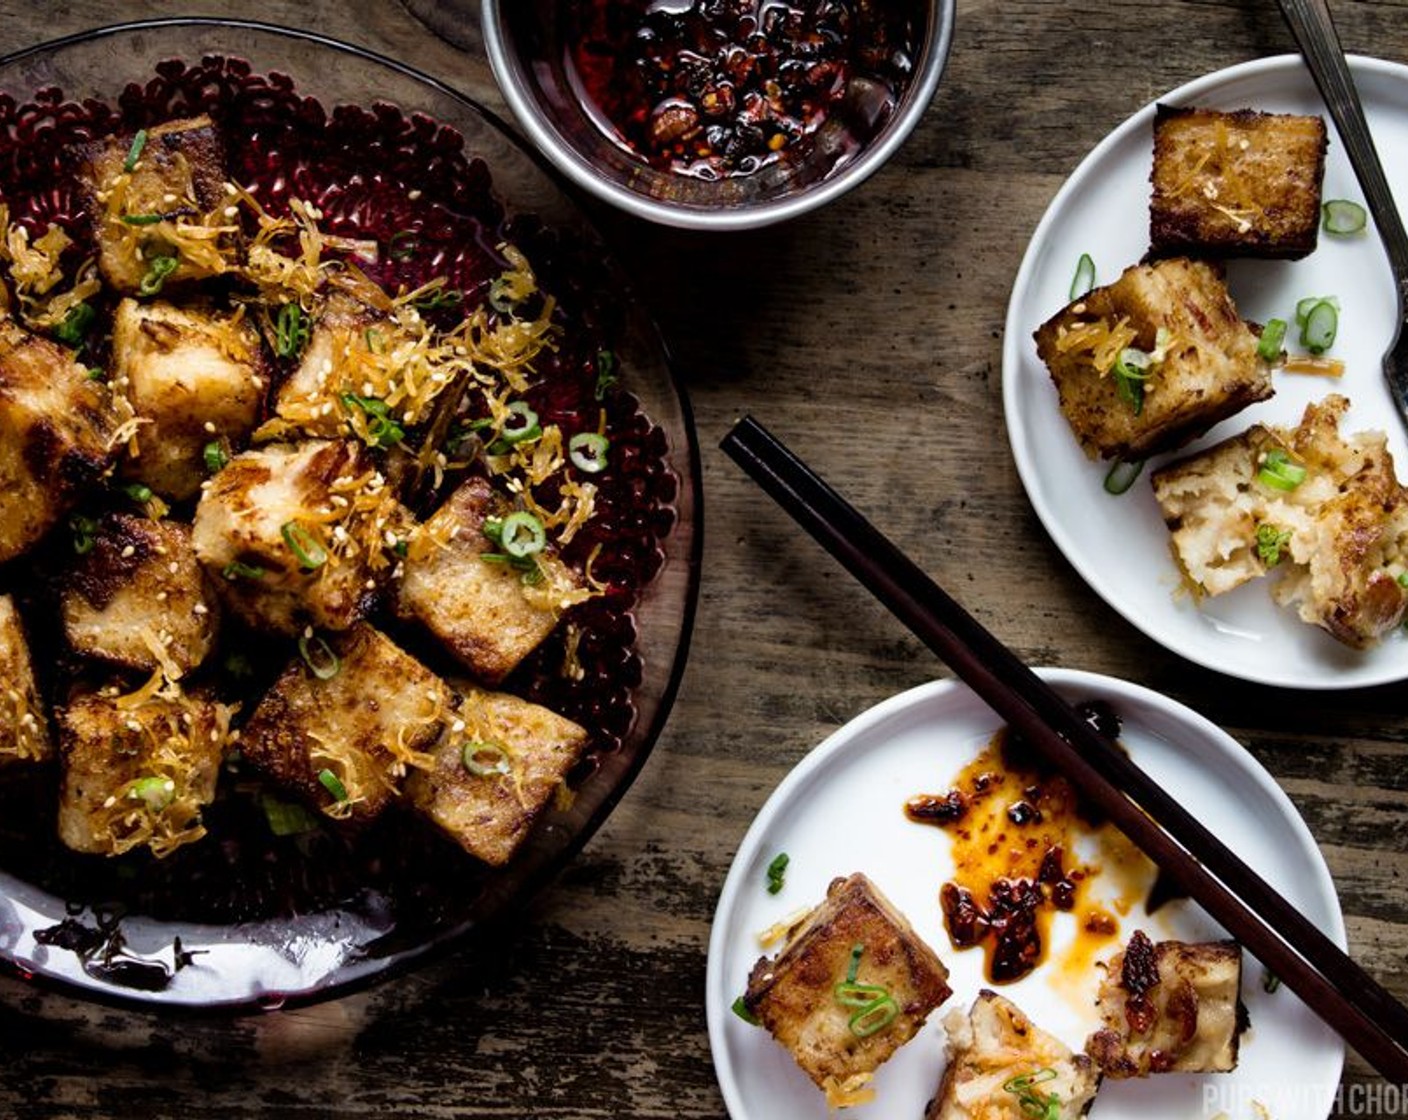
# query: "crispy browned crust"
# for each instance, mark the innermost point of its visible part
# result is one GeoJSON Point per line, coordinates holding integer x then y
{"type": "Point", "coordinates": [185, 158]}
{"type": "Point", "coordinates": [793, 994]}
{"type": "Point", "coordinates": [357, 710]}
{"type": "Point", "coordinates": [1210, 373]}
{"type": "Point", "coordinates": [1236, 184]}
{"type": "Point", "coordinates": [1170, 1007]}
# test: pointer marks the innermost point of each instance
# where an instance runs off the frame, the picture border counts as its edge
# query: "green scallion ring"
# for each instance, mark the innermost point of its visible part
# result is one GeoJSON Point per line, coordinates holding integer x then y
{"type": "Point", "coordinates": [521, 424]}
{"type": "Point", "coordinates": [740, 1008]}
{"type": "Point", "coordinates": [521, 534]}
{"type": "Point", "coordinates": [1342, 217]}
{"type": "Point", "coordinates": [333, 784]}
{"type": "Point", "coordinates": [874, 1018]}
{"type": "Point", "coordinates": [1322, 323]}
{"type": "Point", "coordinates": [1273, 335]}
{"type": "Point", "coordinates": [238, 570]}
{"type": "Point", "coordinates": [134, 153]}
{"type": "Point", "coordinates": [1084, 278]}
{"type": "Point", "coordinates": [1122, 474]}
{"type": "Point", "coordinates": [320, 658]}
{"type": "Point", "coordinates": [138, 492]}
{"type": "Point", "coordinates": [157, 272]}
{"type": "Point", "coordinates": [850, 994]}
{"type": "Point", "coordinates": [587, 450]}
{"type": "Point", "coordinates": [1303, 307]}
{"type": "Point", "coordinates": [1280, 472]}
{"type": "Point", "coordinates": [474, 755]}
{"type": "Point", "coordinates": [305, 547]}
{"type": "Point", "coordinates": [157, 793]}
{"type": "Point", "coordinates": [214, 455]}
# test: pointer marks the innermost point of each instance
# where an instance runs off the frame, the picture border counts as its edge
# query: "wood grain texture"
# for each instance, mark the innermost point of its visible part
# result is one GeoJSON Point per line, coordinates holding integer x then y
{"type": "Point", "coordinates": [849, 332]}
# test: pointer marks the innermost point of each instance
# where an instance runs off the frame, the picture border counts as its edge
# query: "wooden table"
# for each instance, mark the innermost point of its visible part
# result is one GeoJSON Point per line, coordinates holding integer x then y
{"type": "Point", "coordinates": [849, 332]}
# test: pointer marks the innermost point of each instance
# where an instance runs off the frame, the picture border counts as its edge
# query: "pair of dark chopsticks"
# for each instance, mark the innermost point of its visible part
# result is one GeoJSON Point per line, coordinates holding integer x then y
{"type": "Point", "coordinates": [1311, 965]}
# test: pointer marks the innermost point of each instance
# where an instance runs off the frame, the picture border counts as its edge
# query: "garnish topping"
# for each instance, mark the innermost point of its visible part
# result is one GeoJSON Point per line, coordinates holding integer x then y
{"type": "Point", "coordinates": [157, 272]}
{"type": "Point", "coordinates": [520, 534]}
{"type": "Point", "coordinates": [1270, 540]}
{"type": "Point", "coordinates": [1033, 1102]}
{"type": "Point", "coordinates": [403, 245]}
{"type": "Point", "coordinates": [333, 784]}
{"type": "Point", "coordinates": [74, 329]}
{"type": "Point", "coordinates": [777, 870]}
{"type": "Point", "coordinates": [143, 219]}
{"type": "Point", "coordinates": [587, 450]}
{"type": "Point", "coordinates": [84, 531]}
{"type": "Point", "coordinates": [291, 331]}
{"type": "Point", "coordinates": [1320, 325]}
{"type": "Point", "coordinates": [215, 456]}
{"type": "Point", "coordinates": [138, 492]}
{"type": "Point", "coordinates": [520, 425]}
{"type": "Point", "coordinates": [384, 431]}
{"type": "Point", "coordinates": [322, 662]}
{"type": "Point", "coordinates": [306, 547]}
{"type": "Point", "coordinates": [483, 759]}
{"type": "Point", "coordinates": [1084, 278]}
{"type": "Point", "coordinates": [876, 1008]}
{"type": "Point", "coordinates": [741, 1010]}
{"type": "Point", "coordinates": [606, 375]}
{"type": "Point", "coordinates": [156, 793]}
{"type": "Point", "coordinates": [237, 570]}
{"type": "Point", "coordinates": [1120, 477]}
{"type": "Point", "coordinates": [1268, 347]}
{"type": "Point", "coordinates": [134, 153]}
{"type": "Point", "coordinates": [1279, 471]}
{"type": "Point", "coordinates": [1341, 217]}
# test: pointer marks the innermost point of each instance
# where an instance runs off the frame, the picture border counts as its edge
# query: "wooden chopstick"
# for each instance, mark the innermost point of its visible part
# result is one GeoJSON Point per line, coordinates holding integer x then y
{"type": "Point", "coordinates": [1346, 997]}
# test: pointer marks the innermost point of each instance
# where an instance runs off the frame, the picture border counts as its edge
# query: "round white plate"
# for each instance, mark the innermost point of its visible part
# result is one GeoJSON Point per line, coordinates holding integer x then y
{"type": "Point", "coordinates": [1119, 544]}
{"type": "Point", "coordinates": [841, 810]}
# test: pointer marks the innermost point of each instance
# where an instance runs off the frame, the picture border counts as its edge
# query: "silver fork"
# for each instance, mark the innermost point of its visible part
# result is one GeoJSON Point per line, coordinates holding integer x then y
{"type": "Point", "coordinates": [1314, 31]}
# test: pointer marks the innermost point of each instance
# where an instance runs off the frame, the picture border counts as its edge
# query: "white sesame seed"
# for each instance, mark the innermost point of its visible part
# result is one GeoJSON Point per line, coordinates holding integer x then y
{"type": "Point", "coordinates": [210, 426]}
{"type": "Point", "coordinates": [129, 552]}
{"type": "Point", "coordinates": [200, 608]}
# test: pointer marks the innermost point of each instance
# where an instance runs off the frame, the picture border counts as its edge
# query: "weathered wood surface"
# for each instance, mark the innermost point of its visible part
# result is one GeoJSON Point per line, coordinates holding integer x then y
{"type": "Point", "coordinates": [869, 336]}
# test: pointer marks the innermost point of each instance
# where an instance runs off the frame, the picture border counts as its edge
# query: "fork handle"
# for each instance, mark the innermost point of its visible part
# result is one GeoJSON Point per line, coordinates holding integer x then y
{"type": "Point", "coordinates": [1314, 31]}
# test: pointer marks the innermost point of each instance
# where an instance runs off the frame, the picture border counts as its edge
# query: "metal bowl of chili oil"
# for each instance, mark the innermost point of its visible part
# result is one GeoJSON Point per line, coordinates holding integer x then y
{"type": "Point", "coordinates": [257, 913]}
{"type": "Point", "coordinates": [718, 114]}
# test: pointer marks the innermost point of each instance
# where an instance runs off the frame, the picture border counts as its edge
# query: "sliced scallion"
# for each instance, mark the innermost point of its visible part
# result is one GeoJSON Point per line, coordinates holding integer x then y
{"type": "Point", "coordinates": [1270, 540]}
{"type": "Point", "coordinates": [285, 818]}
{"type": "Point", "coordinates": [521, 535]}
{"type": "Point", "coordinates": [1341, 216]}
{"type": "Point", "coordinates": [215, 456]}
{"type": "Point", "coordinates": [134, 153]}
{"type": "Point", "coordinates": [482, 759]}
{"type": "Point", "coordinates": [74, 329]}
{"type": "Point", "coordinates": [1120, 477]}
{"type": "Point", "coordinates": [1279, 471]}
{"type": "Point", "coordinates": [519, 425]}
{"type": "Point", "coordinates": [403, 245]}
{"type": "Point", "coordinates": [1273, 335]}
{"type": "Point", "coordinates": [587, 450]}
{"type": "Point", "coordinates": [143, 219]}
{"type": "Point", "coordinates": [740, 1008]}
{"type": "Point", "coordinates": [850, 994]}
{"type": "Point", "coordinates": [1303, 307]}
{"type": "Point", "coordinates": [308, 550]}
{"type": "Point", "coordinates": [85, 533]}
{"type": "Point", "coordinates": [853, 969]}
{"type": "Point", "coordinates": [1131, 369]}
{"type": "Point", "coordinates": [1322, 323]}
{"type": "Point", "coordinates": [1033, 1102]}
{"type": "Point", "coordinates": [157, 272]}
{"type": "Point", "coordinates": [238, 570]}
{"type": "Point", "coordinates": [333, 784]}
{"type": "Point", "coordinates": [97, 373]}
{"type": "Point", "coordinates": [606, 375]}
{"type": "Point", "coordinates": [321, 659]}
{"type": "Point", "coordinates": [156, 793]}
{"type": "Point", "coordinates": [874, 1017]}
{"type": "Point", "coordinates": [138, 492]}
{"type": "Point", "coordinates": [777, 871]}
{"type": "Point", "coordinates": [1084, 278]}
{"type": "Point", "coordinates": [290, 331]}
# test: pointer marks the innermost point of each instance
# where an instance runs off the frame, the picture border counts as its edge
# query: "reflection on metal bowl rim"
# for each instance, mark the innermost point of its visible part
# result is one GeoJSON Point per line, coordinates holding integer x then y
{"type": "Point", "coordinates": [246, 958]}
{"type": "Point", "coordinates": [675, 200]}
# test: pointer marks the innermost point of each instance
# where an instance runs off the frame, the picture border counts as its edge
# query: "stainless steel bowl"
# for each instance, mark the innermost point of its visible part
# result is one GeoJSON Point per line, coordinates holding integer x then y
{"type": "Point", "coordinates": [525, 40]}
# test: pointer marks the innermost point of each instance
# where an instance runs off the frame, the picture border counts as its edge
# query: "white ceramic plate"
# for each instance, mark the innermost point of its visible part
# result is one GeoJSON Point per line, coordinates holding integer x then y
{"type": "Point", "coordinates": [841, 810]}
{"type": "Point", "coordinates": [1119, 544]}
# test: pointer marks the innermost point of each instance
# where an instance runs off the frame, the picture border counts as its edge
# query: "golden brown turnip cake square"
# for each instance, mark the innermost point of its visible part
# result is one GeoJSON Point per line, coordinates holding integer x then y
{"type": "Point", "coordinates": [139, 598]}
{"type": "Point", "coordinates": [1170, 1007]}
{"type": "Point", "coordinates": [998, 1059]}
{"type": "Point", "coordinates": [195, 377]}
{"type": "Point", "coordinates": [1199, 358]}
{"type": "Point", "coordinates": [294, 534]}
{"type": "Point", "coordinates": [342, 723]}
{"type": "Point", "coordinates": [497, 765]}
{"type": "Point", "coordinates": [56, 424]}
{"type": "Point", "coordinates": [1322, 511]}
{"type": "Point", "coordinates": [138, 769]}
{"type": "Point", "coordinates": [852, 985]}
{"type": "Point", "coordinates": [148, 195]}
{"type": "Point", "coordinates": [483, 612]}
{"type": "Point", "coordinates": [1236, 184]}
{"type": "Point", "coordinates": [24, 728]}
